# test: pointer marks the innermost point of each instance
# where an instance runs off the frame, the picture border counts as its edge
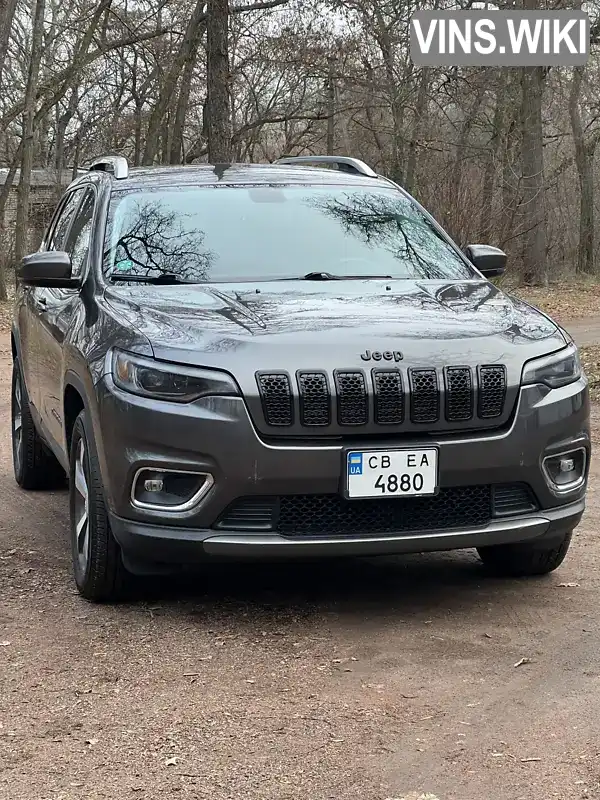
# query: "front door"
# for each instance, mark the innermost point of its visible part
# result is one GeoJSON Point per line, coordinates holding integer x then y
{"type": "Point", "coordinates": [62, 312]}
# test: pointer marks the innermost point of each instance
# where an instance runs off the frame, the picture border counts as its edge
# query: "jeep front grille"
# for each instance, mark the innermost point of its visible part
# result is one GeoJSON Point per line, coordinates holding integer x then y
{"type": "Point", "coordinates": [353, 398]}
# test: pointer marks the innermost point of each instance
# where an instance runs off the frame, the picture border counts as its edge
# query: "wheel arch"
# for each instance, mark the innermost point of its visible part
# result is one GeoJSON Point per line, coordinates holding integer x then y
{"type": "Point", "coordinates": [79, 394]}
{"type": "Point", "coordinates": [15, 342]}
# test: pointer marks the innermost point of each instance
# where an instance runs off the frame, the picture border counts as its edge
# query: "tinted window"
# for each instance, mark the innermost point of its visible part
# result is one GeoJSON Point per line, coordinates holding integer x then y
{"type": "Point", "coordinates": [78, 241]}
{"type": "Point", "coordinates": [61, 227]}
{"type": "Point", "coordinates": [270, 233]}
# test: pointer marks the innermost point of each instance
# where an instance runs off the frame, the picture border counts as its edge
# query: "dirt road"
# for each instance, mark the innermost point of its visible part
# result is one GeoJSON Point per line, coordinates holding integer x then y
{"type": "Point", "coordinates": [363, 680]}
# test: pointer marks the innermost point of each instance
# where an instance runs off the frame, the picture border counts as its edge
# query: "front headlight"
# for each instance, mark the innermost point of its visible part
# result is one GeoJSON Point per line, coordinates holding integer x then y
{"type": "Point", "coordinates": [555, 370]}
{"type": "Point", "coordinates": [173, 382]}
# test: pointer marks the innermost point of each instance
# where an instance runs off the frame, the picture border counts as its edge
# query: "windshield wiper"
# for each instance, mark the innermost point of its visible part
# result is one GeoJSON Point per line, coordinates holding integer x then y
{"type": "Point", "coordinates": [167, 278]}
{"type": "Point", "coordinates": [328, 276]}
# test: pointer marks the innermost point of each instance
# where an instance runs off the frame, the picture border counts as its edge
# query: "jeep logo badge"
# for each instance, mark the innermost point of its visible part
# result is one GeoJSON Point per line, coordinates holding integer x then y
{"type": "Point", "coordinates": [376, 355]}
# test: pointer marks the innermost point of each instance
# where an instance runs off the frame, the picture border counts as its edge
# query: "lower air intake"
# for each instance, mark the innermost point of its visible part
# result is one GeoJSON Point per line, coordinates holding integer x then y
{"type": "Point", "coordinates": [332, 515]}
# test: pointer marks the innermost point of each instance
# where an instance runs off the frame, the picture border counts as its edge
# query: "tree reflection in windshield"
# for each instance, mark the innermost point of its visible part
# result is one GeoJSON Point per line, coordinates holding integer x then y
{"type": "Point", "coordinates": [153, 241]}
{"type": "Point", "coordinates": [238, 233]}
{"type": "Point", "coordinates": [398, 227]}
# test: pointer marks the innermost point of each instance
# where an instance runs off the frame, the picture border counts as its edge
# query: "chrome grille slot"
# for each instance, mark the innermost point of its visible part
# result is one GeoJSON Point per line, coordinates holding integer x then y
{"type": "Point", "coordinates": [276, 398]}
{"type": "Point", "coordinates": [459, 393]}
{"type": "Point", "coordinates": [425, 396]}
{"type": "Point", "coordinates": [492, 391]}
{"type": "Point", "coordinates": [315, 400]}
{"type": "Point", "coordinates": [389, 396]}
{"type": "Point", "coordinates": [352, 398]}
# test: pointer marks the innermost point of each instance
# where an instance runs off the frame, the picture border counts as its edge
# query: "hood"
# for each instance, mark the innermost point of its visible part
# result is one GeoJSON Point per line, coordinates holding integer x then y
{"type": "Point", "coordinates": [303, 324]}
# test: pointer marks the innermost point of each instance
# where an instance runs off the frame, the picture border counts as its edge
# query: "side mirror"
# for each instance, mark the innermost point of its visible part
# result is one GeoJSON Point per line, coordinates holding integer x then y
{"type": "Point", "coordinates": [51, 269]}
{"type": "Point", "coordinates": [490, 261]}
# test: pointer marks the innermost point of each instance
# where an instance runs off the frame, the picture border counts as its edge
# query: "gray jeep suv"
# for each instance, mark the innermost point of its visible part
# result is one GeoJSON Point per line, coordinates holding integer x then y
{"type": "Point", "coordinates": [286, 360]}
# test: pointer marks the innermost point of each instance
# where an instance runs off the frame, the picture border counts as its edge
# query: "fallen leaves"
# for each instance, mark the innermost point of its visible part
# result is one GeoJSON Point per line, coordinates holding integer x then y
{"type": "Point", "coordinates": [563, 301]}
{"type": "Point", "coordinates": [5, 316]}
{"type": "Point", "coordinates": [415, 796]}
{"type": "Point", "coordinates": [590, 360]}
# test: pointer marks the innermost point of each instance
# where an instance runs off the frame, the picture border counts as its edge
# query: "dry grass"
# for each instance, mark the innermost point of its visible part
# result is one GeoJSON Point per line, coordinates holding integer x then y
{"type": "Point", "coordinates": [5, 316]}
{"type": "Point", "coordinates": [590, 358]}
{"type": "Point", "coordinates": [563, 301]}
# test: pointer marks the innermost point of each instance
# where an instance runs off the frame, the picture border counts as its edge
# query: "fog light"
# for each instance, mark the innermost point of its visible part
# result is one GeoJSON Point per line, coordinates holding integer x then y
{"type": "Point", "coordinates": [169, 490]}
{"type": "Point", "coordinates": [154, 485]}
{"type": "Point", "coordinates": [565, 472]}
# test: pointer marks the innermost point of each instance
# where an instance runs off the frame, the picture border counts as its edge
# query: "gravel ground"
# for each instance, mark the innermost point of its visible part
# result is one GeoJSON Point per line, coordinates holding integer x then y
{"type": "Point", "coordinates": [367, 680]}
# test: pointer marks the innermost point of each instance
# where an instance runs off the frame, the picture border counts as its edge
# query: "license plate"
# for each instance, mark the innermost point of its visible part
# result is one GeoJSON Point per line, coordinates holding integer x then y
{"type": "Point", "coordinates": [391, 473]}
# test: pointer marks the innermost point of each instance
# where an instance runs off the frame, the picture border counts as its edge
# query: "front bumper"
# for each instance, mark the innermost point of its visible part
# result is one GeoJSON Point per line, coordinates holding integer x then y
{"type": "Point", "coordinates": [144, 544]}
{"type": "Point", "coordinates": [216, 435]}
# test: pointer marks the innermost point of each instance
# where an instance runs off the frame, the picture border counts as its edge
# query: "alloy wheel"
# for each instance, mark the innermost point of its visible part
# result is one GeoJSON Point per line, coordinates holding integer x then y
{"type": "Point", "coordinates": [82, 513]}
{"type": "Point", "coordinates": [17, 423]}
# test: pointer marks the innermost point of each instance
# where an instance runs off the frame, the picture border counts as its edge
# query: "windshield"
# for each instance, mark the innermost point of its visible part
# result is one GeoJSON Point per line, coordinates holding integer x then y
{"type": "Point", "coordinates": [231, 234]}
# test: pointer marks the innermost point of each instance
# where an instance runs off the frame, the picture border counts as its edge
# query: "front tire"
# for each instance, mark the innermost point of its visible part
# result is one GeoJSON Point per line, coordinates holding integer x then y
{"type": "Point", "coordinates": [524, 560]}
{"type": "Point", "coordinates": [35, 467]}
{"type": "Point", "coordinates": [98, 568]}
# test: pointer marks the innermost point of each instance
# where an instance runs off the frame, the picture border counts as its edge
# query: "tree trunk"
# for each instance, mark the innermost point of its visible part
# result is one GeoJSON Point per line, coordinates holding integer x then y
{"type": "Point", "coordinates": [486, 226]}
{"type": "Point", "coordinates": [533, 208]}
{"type": "Point", "coordinates": [331, 106]}
{"type": "Point", "coordinates": [75, 167]}
{"type": "Point", "coordinates": [416, 130]}
{"type": "Point", "coordinates": [183, 101]}
{"type": "Point", "coordinates": [457, 220]}
{"type": "Point", "coordinates": [42, 148]}
{"type": "Point", "coordinates": [510, 179]}
{"type": "Point", "coordinates": [5, 240]}
{"type": "Point", "coordinates": [137, 133]}
{"type": "Point", "coordinates": [386, 46]}
{"type": "Point", "coordinates": [22, 221]}
{"type": "Point", "coordinates": [62, 122]}
{"type": "Point", "coordinates": [370, 114]}
{"type": "Point", "coordinates": [7, 13]}
{"type": "Point", "coordinates": [218, 83]}
{"type": "Point", "coordinates": [584, 156]}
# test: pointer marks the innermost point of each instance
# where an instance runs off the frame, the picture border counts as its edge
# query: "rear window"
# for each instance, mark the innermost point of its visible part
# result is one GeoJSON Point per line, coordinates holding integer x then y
{"type": "Point", "coordinates": [232, 234]}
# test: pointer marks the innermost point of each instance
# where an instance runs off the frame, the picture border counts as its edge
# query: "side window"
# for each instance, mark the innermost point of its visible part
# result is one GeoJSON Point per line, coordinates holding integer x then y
{"type": "Point", "coordinates": [61, 226]}
{"type": "Point", "coordinates": [78, 240]}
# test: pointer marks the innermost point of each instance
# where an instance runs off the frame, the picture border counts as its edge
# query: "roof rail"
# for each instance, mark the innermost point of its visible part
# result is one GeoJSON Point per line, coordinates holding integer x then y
{"type": "Point", "coordinates": [116, 164]}
{"type": "Point", "coordinates": [343, 163]}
